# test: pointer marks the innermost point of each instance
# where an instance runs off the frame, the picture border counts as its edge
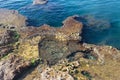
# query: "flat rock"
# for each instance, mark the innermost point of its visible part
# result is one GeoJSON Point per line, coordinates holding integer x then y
{"type": "Point", "coordinates": [12, 18]}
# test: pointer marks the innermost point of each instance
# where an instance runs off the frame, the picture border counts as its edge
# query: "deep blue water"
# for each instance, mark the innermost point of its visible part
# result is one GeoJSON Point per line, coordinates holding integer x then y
{"type": "Point", "coordinates": [55, 11]}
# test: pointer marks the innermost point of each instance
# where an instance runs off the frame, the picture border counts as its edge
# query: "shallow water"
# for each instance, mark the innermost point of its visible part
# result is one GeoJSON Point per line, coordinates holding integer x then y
{"type": "Point", "coordinates": [55, 11]}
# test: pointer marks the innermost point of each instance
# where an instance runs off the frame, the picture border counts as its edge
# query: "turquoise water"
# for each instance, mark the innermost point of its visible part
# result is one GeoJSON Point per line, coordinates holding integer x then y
{"type": "Point", "coordinates": [105, 12]}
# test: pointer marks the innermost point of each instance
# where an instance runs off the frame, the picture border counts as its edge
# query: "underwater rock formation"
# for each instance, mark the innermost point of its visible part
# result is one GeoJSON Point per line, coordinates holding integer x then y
{"type": "Point", "coordinates": [39, 2]}
{"type": "Point", "coordinates": [93, 23]}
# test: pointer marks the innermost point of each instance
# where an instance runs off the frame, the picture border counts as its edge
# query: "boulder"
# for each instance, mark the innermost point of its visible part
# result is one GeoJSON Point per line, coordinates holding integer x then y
{"type": "Point", "coordinates": [39, 2]}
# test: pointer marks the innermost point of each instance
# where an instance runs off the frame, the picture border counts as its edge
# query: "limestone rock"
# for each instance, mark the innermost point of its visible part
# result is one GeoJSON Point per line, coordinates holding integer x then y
{"type": "Point", "coordinates": [51, 74]}
{"type": "Point", "coordinates": [12, 18]}
{"type": "Point", "coordinates": [11, 67]}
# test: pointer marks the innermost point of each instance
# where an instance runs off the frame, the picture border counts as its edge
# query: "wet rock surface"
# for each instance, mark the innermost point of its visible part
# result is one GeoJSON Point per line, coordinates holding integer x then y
{"type": "Point", "coordinates": [35, 2]}
{"type": "Point", "coordinates": [53, 50]}
{"type": "Point", "coordinates": [54, 53]}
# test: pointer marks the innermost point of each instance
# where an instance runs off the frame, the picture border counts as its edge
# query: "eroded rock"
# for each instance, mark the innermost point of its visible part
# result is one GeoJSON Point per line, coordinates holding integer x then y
{"type": "Point", "coordinates": [51, 74]}
{"type": "Point", "coordinates": [53, 50]}
{"type": "Point", "coordinates": [8, 37]}
{"type": "Point", "coordinates": [11, 67]}
{"type": "Point", "coordinates": [12, 18]}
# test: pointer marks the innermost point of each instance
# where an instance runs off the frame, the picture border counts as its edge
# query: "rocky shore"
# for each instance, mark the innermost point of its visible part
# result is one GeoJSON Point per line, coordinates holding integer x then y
{"type": "Point", "coordinates": [48, 53]}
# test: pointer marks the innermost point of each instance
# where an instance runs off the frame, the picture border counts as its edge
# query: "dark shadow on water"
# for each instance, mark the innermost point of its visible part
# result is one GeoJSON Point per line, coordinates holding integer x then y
{"type": "Point", "coordinates": [32, 22]}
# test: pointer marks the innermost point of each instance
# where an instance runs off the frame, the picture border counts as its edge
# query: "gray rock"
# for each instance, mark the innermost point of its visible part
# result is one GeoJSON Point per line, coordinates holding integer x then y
{"type": "Point", "coordinates": [12, 17]}
{"type": "Point", "coordinates": [11, 67]}
{"type": "Point", "coordinates": [39, 2]}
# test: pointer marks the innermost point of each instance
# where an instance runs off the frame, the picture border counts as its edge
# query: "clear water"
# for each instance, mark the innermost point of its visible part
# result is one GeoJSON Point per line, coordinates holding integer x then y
{"type": "Point", "coordinates": [55, 11]}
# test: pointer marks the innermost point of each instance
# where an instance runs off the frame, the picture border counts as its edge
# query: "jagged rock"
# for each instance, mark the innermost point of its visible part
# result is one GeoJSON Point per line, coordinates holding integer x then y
{"type": "Point", "coordinates": [71, 29]}
{"type": "Point", "coordinates": [12, 18]}
{"type": "Point", "coordinates": [4, 50]}
{"type": "Point", "coordinates": [52, 50]}
{"type": "Point", "coordinates": [39, 2]}
{"type": "Point", "coordinates": [8, 37]}
{"type": "Point", "coordinates": [51, 74]}
{"type": "Point", "coordinates": [12, 66]}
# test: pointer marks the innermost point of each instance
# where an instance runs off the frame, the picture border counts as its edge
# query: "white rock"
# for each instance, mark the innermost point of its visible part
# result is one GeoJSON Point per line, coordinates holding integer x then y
{"type": "Point", "coordinates": [39, 2]}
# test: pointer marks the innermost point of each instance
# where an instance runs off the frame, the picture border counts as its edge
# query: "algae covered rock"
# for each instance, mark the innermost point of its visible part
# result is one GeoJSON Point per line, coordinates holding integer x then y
{"type": "Point", "coordinates": [53, 50]}
{"type": "Point", "coordinates": [71, 28]}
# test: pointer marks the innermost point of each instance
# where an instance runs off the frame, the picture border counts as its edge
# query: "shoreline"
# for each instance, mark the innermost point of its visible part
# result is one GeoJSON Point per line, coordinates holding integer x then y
{"type": "Point", "coordinates": [48, 49]}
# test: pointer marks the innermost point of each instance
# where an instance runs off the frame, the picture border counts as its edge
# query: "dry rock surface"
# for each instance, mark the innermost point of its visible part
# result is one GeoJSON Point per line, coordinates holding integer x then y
{"type": "Point", "coordinates": [11, 18]}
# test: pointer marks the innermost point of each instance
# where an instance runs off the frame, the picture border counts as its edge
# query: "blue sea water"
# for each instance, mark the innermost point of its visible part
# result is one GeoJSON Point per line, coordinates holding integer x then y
{"type": "Point", "coordinates": [55, 11]}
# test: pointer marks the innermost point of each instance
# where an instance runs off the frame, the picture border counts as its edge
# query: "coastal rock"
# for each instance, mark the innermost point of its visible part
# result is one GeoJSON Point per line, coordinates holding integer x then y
{"type": "Point", "coordinates": [72, 28]}
{"type": "Point", "coordinates": [8, 37]}
{"type": "Point", "coordinates": [52, 50]}
{"type": "Point", "coordinates": [5, 50]}
{"type": "Point", "coordinates": [29, 49]}
{"type": "Point", "coordinates": [12, 18]}
{"type": "Point", "coordinates": [60, 48]}
{"type": "Point", "coordinates": [11, 67]}
{"type": "Point", "coordinates": [39, 2]}
{"type": "Point", "coordinates": [51, 74]}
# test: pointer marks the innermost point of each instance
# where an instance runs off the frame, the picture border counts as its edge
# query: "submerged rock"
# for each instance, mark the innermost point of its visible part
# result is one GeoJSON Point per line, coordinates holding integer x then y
{"type": "Point", "coordinates": [93, 23]}
{"type": "Point", "coordinates": [39, 2]}
{"type": "Point", "coordinates": [12, 18]}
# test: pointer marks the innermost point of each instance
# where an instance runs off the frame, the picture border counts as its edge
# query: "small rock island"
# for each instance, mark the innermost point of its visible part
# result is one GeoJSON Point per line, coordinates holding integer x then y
{"type": "Point", "coordinates": [35, 2]}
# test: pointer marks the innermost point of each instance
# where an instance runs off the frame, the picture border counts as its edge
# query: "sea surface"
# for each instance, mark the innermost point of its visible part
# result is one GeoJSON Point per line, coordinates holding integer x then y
{"type": "Point", "coordinates": [103, 16]}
